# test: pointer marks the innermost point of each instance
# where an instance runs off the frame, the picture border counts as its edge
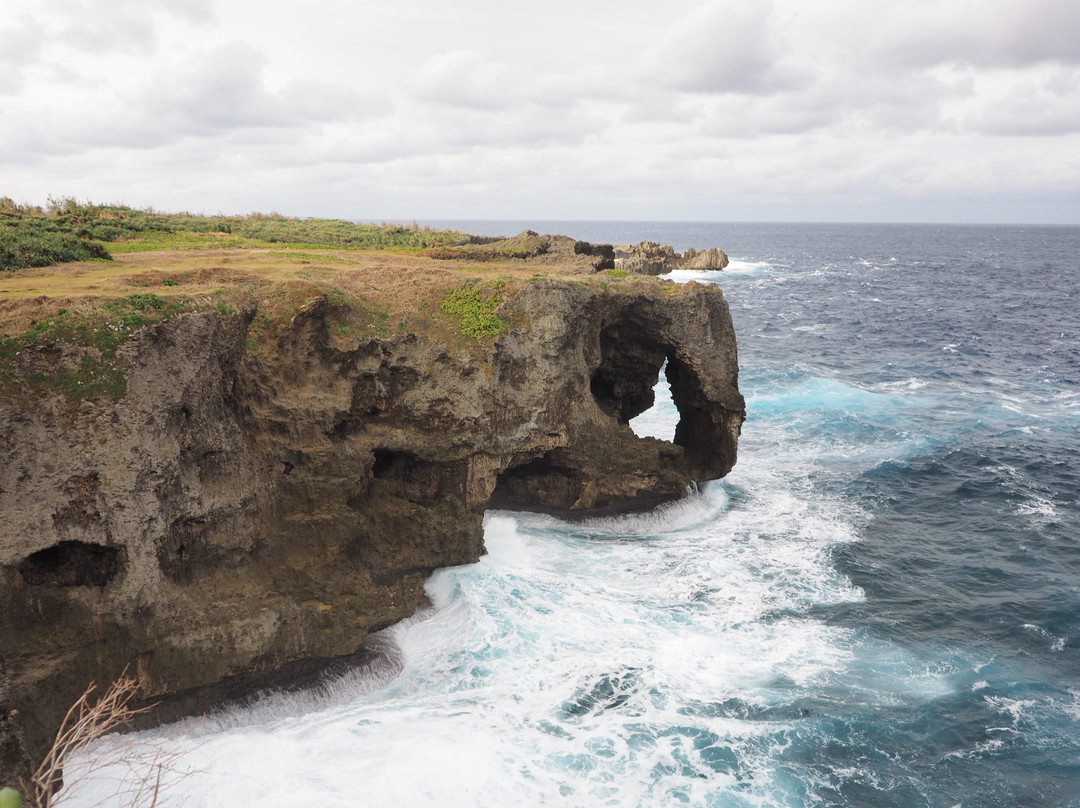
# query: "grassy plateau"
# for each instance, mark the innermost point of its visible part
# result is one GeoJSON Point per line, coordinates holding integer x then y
{"type": "Point", "coordinates": [91, 275]}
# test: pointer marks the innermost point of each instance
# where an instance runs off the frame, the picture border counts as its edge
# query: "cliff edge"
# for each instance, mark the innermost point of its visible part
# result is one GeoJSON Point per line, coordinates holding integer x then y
{"type": "Point", "coordinates": [244, 505]}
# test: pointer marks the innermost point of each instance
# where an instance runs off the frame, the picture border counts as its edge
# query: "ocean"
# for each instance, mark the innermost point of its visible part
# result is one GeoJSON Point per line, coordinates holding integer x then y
{"type": "Point", "coordinates": [879, 606]}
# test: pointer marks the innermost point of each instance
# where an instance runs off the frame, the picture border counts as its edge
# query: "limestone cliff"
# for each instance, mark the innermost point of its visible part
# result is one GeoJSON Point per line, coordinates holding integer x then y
{"type": "Point", "coordinates": [238, 510]}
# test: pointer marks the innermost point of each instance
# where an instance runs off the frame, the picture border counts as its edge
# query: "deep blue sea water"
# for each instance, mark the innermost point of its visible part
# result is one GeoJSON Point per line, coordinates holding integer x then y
{"type": "Point", "coordinates": [880, 605]}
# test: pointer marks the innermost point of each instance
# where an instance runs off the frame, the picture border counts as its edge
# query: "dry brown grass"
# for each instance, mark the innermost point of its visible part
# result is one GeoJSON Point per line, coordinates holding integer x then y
{"type": "Point", "coordinates": [406, 288]}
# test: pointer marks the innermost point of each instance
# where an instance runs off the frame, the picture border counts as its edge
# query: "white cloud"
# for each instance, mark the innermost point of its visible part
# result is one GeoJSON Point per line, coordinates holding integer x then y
{"type": "Point", "coordinates": [463, 78]}
{"type": "Point", "coordinates": [1045, 102]}
{"type": "Point", "coordinates": [993, 33]}
{"type": "Point", "coordinates": [602, 109]}
{"type": "Point", "coordinates": [721, 46]}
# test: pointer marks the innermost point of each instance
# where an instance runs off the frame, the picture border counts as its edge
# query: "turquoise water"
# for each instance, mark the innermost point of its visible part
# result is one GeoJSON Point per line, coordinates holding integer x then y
{"type": "Point", "coordinates": [880, 605]}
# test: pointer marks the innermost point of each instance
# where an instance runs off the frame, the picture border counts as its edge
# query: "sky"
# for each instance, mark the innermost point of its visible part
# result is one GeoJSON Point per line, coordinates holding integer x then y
{"type": "Point", "coordinates": [723, 110]}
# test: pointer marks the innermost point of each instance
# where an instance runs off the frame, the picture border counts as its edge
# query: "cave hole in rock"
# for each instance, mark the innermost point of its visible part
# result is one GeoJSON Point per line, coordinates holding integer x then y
{"type": "Point", "coordinates": [659, 420]}
{"type": "Point", "coordinates": [539, 484]}
{"type": "Point", "coordinates": [641, 382]}
{"type": "Point", "coordinates": [409, 476]}
{"type": "Point", "coordinates": [72, 563]}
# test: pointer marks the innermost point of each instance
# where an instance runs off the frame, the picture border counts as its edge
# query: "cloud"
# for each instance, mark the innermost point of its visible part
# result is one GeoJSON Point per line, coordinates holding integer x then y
{"type": "Point", "coordinates": [1045, 104]}
{"type": "Point", "coordinates": [593, 109]}
{"type": "Point", "coordinates": [722, 46]}
{"type": "Point", "coordinates": [225, 88]}
{"type": "Point", "coordinates": [119, 24]}
{"type": "Point", "coordinates": [21, 41]}
{"type": "Point", "coordinates": [204, 95]}
{"type": "Point", "coordinates": [463, 78]}
{"type": "Point", "coordinates": [993, 33]}
{"type": "Point", "coordinates": [20, 48]}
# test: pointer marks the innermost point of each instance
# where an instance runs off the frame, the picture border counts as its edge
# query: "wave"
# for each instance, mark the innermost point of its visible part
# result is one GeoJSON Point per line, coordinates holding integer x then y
{"type": "Point", "coordinates": [735, 267]}
{"type": "Point", "coordinates": [877, 605]}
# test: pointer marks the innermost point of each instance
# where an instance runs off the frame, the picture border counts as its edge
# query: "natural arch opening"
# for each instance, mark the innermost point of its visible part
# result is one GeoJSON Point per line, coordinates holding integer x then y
{"type": "Point", "coordinates": [604, 467]}
{"type": "Point", "coordinates": [623, 383]}
{"type": "Point", "coordinates": [623, 386]}
{"type": "Point", "coordinates": [659, 420]}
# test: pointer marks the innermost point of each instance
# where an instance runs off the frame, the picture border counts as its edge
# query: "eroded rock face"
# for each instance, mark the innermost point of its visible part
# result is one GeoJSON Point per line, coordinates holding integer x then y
{"type": "Point", "coordinates": [650, 258]}
{"type": "Point", "coordinates": [236, 512]}
{"type": "Point", "coordinates": [646, 258]}
{"type": "Point", "coordinates": [710, 259]}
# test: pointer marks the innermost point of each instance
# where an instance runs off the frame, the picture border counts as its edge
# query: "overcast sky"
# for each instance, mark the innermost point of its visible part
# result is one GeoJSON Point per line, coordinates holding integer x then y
{"type": "Point", "coordinates": [726, 110]}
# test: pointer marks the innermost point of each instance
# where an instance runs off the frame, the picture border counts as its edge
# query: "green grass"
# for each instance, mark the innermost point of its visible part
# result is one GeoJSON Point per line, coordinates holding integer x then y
{"type": "Point", "coordinates": [472, 305]}
{"type": "Point", "coordinates": [99, 372]}
{"type": "Point", "coordinates": [71, 231]}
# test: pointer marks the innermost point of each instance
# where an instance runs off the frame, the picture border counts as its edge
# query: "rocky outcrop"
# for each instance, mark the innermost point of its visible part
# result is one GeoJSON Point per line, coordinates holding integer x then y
{"type": "Point", "coordinates": [646, 258]}
{"type": "Point", "coordinates": [650, 258]}
{"type": "Point", "coordinates": [240, 510]}
{"type": "Point", "coordinates": [710, 259]}
{"type": "Point", "coordinates": [529, 247]}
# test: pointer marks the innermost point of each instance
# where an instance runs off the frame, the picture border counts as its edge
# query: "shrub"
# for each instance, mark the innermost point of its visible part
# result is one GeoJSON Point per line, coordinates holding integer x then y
{"type": "Point", "coordinates": [25, 244]}
{"type": "Point", "coordinates": [70, 231]}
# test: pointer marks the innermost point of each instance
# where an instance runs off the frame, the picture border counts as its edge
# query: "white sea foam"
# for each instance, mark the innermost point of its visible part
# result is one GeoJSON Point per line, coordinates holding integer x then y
{"type": "Point", "coordinates": [1039, 507]}
{"type": "Point", "coordinates": [649, 659]}
{"type": "Point", "coordinates": [737, 266]}
{"type": "Point", "coordinates": [575, 662]}
{"type": "Point", "coordinates": [912, 383]}
{"type": "Point", "coordinates": [734, 267]}
{"type": "Point", "coordinates": [1056, 643]}
{"type": "Point", "coordinates": [1014, 708]}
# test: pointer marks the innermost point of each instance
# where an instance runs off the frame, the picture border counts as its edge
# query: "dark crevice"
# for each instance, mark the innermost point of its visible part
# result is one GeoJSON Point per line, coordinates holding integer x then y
{"type": "Point", "coordinates": [406, 475]}
{"type": "Point", "coordinates": [539, 484]}
{"type": "Point", "coordinates": [73, 563]}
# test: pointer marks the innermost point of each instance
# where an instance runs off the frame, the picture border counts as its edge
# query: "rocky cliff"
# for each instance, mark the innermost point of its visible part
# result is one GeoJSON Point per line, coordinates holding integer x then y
{"type": "Point", "coordinates": [236, 510]}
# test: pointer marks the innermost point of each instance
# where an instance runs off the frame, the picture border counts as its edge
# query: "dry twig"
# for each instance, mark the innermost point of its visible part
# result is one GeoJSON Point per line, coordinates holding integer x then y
{"type": "Point", "coordinates": [86, 722]}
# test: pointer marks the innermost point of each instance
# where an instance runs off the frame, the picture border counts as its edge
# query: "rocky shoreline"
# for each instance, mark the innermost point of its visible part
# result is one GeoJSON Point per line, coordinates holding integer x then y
{"type": "Point", "coordinates": [238, 514]}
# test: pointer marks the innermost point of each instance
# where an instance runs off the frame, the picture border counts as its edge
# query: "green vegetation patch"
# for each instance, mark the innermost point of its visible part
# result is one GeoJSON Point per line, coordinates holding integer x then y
{"type": "Point", "coordinates": [27, 242]}
{"type": "Point", "coordinates": [96, 371]}
{"type": "Point", "coordinates": [472, 305]}
{"type": "Point", "coordinates": [68, 230]}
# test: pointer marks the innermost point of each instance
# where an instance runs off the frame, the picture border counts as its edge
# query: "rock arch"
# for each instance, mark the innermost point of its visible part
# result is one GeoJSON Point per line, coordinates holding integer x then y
{"type": "Point", "coordinates": [600, 465]}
